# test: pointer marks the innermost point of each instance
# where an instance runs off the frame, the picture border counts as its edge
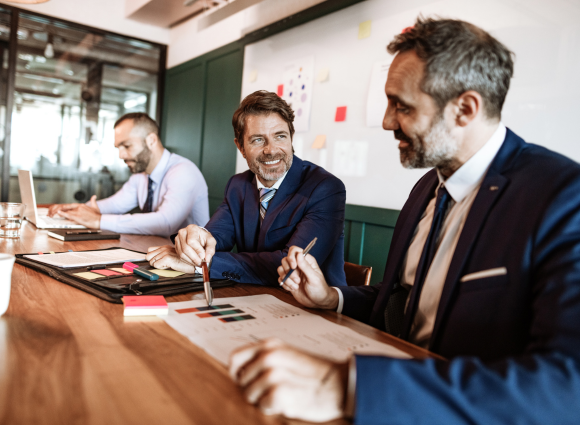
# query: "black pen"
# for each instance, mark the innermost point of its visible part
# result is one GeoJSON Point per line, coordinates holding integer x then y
{"type": "Point", "coordinates": [83, 232]}
{"type": "Point", "coordinates": [305, 253]}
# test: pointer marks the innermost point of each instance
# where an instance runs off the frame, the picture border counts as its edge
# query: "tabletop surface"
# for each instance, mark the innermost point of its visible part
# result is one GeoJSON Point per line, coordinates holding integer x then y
{"type": "Point", "coordinates": [67, 357]}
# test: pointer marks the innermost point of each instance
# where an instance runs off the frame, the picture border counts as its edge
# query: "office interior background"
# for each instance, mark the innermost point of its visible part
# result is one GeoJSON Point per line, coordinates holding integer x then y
{"type": "Point", "coordinates": [70, 68]}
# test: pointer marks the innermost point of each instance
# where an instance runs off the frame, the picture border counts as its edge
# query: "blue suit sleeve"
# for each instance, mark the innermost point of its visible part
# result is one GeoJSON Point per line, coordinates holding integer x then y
{"type": "Point", "coordinates": [539, 386]}
{"type": "Point", "coordinates": [323, 218]}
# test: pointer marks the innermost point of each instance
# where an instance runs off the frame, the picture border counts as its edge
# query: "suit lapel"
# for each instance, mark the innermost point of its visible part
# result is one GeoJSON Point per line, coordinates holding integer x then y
{"type": "Point", "coordinates": [251, 217]}
{"type": "Point", "coordinates": [415, 207]}
{"type": "Point", "coordinates": [490, 191]}
{"type": "Point", "coordinates": [284, 193]}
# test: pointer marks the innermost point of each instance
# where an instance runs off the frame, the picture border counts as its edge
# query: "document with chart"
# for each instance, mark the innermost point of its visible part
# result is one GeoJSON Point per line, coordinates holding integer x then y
{"type": "Point", "coordinates": [233, 322]}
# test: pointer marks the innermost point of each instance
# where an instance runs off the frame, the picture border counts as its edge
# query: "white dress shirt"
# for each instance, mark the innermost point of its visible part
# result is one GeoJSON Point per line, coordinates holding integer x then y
{"type": "Point", "coordinates": [274, 186]}
{"type": "Point", "coordinates": [179, 199]}
{"type": "Point", "coordinates": [462, 186]}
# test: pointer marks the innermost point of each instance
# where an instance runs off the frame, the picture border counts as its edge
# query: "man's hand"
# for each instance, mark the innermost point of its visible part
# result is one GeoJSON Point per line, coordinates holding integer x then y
{"type": "Point", "coordinates": [87, 215]}
{"type": "Point", "coordinates": [307, 283]}
{"type": "Point", "coordinates": [57, 208]}
{"type": "Point", "coordinates": [165, 257]}
{"type": "Point", "coordinates": [193, 244]}
{"type": "Point", "coordinates": [283, 380]}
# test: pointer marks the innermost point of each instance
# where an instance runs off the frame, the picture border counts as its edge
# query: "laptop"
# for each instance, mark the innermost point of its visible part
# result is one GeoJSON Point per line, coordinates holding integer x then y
{"type": "Point", "coordinates": [39, 216]}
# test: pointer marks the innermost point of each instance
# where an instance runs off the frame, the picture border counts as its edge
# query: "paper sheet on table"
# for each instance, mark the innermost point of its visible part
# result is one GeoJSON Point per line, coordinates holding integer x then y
{"type": "Point", "coordinates": [88, 258]}
{"type": "Point", "coordinates": [218, 330]}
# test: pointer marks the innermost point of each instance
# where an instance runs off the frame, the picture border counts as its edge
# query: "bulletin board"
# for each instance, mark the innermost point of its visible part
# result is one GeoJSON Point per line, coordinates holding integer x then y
{"type": "Point", "coordinates": [333, 69]}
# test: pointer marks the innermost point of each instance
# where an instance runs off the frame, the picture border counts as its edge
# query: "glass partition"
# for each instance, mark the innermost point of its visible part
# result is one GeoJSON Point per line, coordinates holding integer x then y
{"type": "Point", "coordinates": [71, 85]}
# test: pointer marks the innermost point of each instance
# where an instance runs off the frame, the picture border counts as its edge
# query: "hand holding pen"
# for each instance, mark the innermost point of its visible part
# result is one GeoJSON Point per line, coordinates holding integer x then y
{"type": "Point", "coordinates": [306, 251]}
{"type": "Point", "coordinates": [308, 286]}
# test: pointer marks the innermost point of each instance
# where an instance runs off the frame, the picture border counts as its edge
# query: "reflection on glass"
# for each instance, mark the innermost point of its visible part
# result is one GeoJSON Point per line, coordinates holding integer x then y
{"type": "Point", "coordinates": [71, 86]}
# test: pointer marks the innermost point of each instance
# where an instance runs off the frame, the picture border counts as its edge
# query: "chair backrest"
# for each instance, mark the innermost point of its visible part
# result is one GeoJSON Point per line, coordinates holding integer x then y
{"type": "Point", "coordinates": [357, 275]}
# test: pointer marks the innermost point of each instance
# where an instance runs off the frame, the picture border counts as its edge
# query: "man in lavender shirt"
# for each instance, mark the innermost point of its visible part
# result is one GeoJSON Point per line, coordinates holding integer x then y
{"type": "Point", "coordinates": [169, 189]}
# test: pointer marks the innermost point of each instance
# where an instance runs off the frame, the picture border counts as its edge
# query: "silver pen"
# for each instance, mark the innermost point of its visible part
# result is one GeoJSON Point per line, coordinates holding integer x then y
{"type": "Point", "coordinates": [206, 285]}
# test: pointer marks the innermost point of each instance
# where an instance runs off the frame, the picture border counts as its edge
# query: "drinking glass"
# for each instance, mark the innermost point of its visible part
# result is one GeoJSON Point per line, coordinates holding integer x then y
{"type": "Point", "coordinates": [11, 215]}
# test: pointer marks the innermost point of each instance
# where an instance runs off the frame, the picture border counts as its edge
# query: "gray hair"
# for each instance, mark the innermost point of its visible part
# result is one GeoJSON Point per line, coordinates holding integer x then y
{"type": "Point", "coordinates": [458, 57]}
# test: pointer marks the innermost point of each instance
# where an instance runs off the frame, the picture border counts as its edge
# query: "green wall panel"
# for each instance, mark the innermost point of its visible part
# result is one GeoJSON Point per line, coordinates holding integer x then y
{"type": "Point", "coordinates": [183, 112]}
{"type": "Point", "coordinates": [377, 240]}
{"type": "Point", "coordinates": [224, 86]}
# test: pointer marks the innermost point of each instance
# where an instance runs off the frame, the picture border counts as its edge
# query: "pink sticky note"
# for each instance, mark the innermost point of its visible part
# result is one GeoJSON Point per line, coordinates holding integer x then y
{"type": "Point", "coordinates": [340, 114]}
{"type": "Point", "coordinates": [130, 266]}
{"type": "Point", "coordinates": [280, 91]}
{"type": "Point", "coordinates": [106, 272]}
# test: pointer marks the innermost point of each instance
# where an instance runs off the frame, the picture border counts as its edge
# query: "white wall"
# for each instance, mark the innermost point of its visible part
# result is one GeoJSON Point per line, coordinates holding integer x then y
{"type": "Point", "coordinates": [104, 14]}
{"type": "Point", "coordinates": [187, 42]}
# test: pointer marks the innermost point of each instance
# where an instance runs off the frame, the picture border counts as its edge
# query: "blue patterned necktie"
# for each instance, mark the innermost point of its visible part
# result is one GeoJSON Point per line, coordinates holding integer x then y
{"type": "Point", "coordinates": [148, 207]}
{"type": "Point", "coordinates": [266, 195]}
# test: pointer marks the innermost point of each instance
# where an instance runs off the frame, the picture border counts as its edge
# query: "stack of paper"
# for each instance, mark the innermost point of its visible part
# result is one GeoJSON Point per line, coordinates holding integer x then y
{"type": "Point", "coordinates": [145, 305]}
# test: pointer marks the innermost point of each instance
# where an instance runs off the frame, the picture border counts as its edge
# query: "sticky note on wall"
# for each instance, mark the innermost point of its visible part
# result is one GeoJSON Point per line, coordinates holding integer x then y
{"type": "Point", "coordinates": [319, 142]}
{"type": "Point", "coordinates": [280, 91]}
{"type": "Point", "coordinates": [340, 114]}
{"type": "Point", "coordinates": [322, 75]}
{"type": "Point", "coordinates": [364, 29]}
{"type": "Point", "coordinates": [253, 76]}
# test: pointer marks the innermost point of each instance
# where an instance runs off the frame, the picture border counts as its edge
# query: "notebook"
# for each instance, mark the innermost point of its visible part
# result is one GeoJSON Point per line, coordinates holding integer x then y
{"type": "Point", "coordinates": [82, 235]}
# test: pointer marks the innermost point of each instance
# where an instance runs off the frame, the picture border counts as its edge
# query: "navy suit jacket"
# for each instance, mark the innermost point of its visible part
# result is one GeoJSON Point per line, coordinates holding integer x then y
{"type": "Point", "coordinates": [309, 203]}
{"type": "Point", "coordinates": [513, 341]}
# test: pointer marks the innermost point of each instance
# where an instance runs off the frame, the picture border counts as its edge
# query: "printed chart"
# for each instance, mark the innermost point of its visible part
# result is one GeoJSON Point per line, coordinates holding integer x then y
{"type": "Point", "coordinates": [234, 322]}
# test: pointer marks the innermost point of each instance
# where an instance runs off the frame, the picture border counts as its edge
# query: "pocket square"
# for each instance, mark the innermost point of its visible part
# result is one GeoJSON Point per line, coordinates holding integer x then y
{"type": "Point", "coordinates": [499, 271]}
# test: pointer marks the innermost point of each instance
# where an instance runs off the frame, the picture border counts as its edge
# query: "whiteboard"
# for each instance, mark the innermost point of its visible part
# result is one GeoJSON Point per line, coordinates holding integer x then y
{"type": "Point", "coordinates": [542, 106]}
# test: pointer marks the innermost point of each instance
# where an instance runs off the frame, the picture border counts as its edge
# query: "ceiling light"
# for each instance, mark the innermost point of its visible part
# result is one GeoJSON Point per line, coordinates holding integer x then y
{"type": "Point", "coordinates": [49, 51]}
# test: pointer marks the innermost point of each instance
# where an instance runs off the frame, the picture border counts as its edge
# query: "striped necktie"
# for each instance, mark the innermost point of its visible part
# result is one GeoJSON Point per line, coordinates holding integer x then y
{"type": "Point", "coordinates": [266, 195]}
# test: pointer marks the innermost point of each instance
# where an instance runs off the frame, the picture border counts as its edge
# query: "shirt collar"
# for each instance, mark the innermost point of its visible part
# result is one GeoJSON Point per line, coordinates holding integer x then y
{"type": "Point", "coordinates": [469, 176]}
{"type": "Point", "coordinates": [159, 170]}
{"type": "Point", "coordinates": [275, 186]}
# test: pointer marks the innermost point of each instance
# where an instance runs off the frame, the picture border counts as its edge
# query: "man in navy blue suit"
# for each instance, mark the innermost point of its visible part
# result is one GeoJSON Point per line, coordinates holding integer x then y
{"type": "Point", "coordinates": [279, 202]}
{"type": "Point", "coordinates": [483, 269]}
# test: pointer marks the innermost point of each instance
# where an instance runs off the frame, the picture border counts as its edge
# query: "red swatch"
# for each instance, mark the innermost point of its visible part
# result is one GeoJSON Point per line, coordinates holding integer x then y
{"type": "Point", "coordinates": [280, 91]}
{"type": "Point", "coordinates": [105, 272]}
{"type": "Point", "coordinates": [340, 114]}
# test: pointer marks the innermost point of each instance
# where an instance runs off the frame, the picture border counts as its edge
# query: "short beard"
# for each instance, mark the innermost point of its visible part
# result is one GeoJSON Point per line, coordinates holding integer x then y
{"type": "Point", "coordinates": [141, 160]}
{"type": "Point", "coordinates": [265, 175]}
{"type": "Point", "coordinates": [435, 148]}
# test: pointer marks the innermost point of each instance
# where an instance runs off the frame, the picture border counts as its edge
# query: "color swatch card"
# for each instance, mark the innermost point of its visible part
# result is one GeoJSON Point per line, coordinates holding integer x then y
{"type": "Point", "coordinates": [145, 305]}
{"type": "Point", "coordinates": [233, 322]}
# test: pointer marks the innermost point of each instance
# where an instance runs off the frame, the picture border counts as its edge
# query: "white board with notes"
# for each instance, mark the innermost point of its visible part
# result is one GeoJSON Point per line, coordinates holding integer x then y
{"type": "Point", "coordinates": [348, 50]}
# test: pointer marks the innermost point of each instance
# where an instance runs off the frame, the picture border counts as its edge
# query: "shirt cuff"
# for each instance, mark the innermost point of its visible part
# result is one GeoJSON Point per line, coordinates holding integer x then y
{"type": "Point", "coordinates": [340, 299]}
{"type": "Point", "coordinates": [350, 402]}
{"type": "Point", "coordinates": [109, 222]}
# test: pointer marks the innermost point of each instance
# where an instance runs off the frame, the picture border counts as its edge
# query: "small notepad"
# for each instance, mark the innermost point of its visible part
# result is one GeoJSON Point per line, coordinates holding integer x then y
{"type": "Point", "coordinates": [166, 273]}
{"type": "Point", "coordinates": [88, 275]}
{"type": "Point", "coordinates": [145, 305]}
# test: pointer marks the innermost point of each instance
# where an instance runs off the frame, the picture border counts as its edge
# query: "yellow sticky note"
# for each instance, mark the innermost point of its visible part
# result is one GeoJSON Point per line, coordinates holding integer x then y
{"type": "Point", "coordinates": [52, 252]}
{"type": "Point", "coordinates": [88, 275]}
{"type": "Point", "coordinates": [120, 270]}
{"type": "Point", "coordinates": [364, 29]}
{"type": "Point", "coordinates": [319, 142]}
{"type": "Point", "coordinates": [166, 273]}
{"type": "Point", "coordinates": [253, 76]}
{"type": "Point", "coordinates": [322, 75]}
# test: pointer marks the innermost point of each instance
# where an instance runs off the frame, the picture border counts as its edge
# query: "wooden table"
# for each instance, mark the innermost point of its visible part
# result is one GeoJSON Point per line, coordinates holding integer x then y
{"type": "Point", "coordinates": [67, 357]}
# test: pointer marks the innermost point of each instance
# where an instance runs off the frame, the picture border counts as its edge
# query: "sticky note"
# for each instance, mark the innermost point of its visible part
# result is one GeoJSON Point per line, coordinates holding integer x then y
{"type": "Point", "coordinates": [88, 275]}
{"type": "Point", "coordinates": [52, 252]}
{"type": "Point", "coordinates": [40, 253]}
{"type": "Point", "coordinates": [280, 90]}
{"type": "Point", "coordinates": [319, 142]}
{"type": "Point", "coordinates": [364, 29]}
{"type": "Point", "coordinates": [340, 114]}
{"type": "Point", "coordinates": [253, 76]}
{"type": "Point", "coordinates": [106, 272]}
{"type": "Point", "coordinates": [120, 270]}
{"type": "Point", "coordinates": [166, 273]}
{"type": "Point", "coordinates": [322, 75]}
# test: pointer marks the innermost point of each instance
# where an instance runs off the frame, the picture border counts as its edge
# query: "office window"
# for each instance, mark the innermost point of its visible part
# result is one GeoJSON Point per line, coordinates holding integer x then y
{"type": "Point", "coordinates": [71, 85]}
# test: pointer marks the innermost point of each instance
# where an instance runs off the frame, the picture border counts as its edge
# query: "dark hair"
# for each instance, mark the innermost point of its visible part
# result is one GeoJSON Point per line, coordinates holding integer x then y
{"type": "Point", "coordinates": [261, 102]}
{"type": "Point", "coordinates": [140, 120]}
{"type": "Point", "coordinates": [459, 57]}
